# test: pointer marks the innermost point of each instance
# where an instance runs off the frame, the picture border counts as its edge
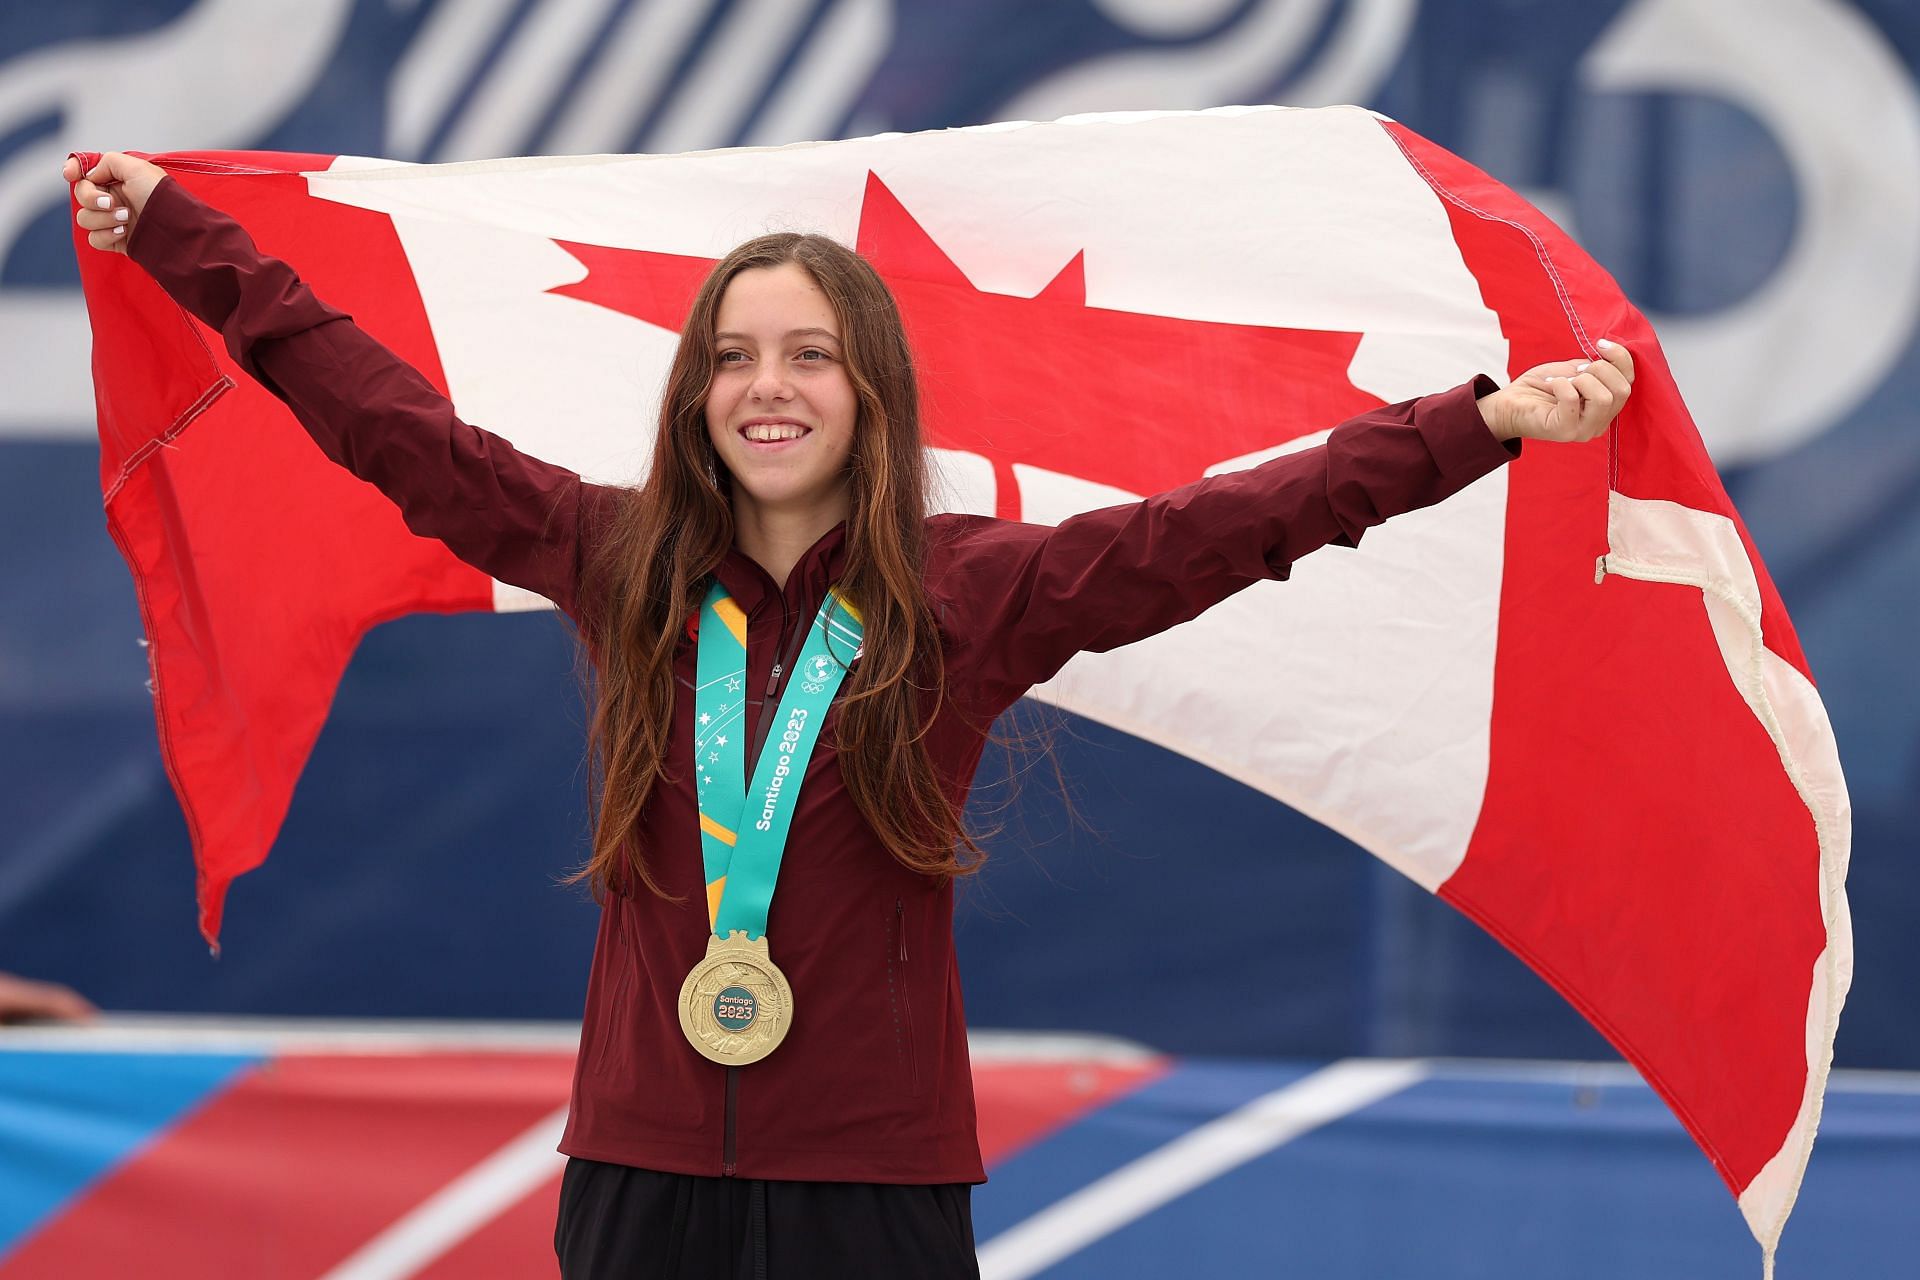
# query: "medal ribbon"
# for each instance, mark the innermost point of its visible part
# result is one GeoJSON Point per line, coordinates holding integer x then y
{"type": "Point", "coordinates": [743, 829]}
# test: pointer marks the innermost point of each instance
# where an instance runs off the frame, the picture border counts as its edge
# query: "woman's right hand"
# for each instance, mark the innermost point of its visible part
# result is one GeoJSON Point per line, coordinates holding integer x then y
{"type": "Point", "coordinates": [111, 196]}
{"type": "Point", "coordinates": [24, 1001]}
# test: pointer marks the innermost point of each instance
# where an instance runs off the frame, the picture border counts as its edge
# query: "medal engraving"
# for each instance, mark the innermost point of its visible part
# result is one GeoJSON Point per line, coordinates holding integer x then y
{"type": "Point", "coordinates": [735, 1006]}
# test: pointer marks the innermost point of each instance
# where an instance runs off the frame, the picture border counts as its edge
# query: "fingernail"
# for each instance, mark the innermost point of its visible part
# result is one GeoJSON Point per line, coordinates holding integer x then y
{"type": "Point", "coordinates": [103, 202]}
{"type": "Point", "coordinates": [1580, 368]}
{"type": "Point", "coordinates": [120, 214]}
{"type": "Point", "coordinates": [119, 231]}
{"type": "Point", "coordinates": [1604, 345]}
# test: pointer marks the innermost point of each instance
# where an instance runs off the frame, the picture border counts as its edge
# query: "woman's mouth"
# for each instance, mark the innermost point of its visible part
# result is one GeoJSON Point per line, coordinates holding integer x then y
{"type": "Point", "coordinates": [772, 433]}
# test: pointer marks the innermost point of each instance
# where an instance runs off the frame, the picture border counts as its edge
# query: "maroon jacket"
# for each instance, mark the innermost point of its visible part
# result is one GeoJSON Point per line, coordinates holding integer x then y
{"type": "Point", "coordinates": [872, 1083]}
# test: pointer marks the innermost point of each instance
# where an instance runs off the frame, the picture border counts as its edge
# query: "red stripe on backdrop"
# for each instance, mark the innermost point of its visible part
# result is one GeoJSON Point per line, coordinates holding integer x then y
{"type": "Point", "coordinates": [259, 563]}
{"type": "Point", "coordinates": [308, 1158]}
{"type": "Point", "coordinates": [296, 1166]}
{"type": "Point", "coordinates": [1020, 1103]}
{"type": "Point", "coordinates": [1707, 881]}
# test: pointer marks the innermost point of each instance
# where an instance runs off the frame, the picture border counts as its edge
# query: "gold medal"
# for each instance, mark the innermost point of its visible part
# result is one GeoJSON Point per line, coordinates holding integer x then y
{"type": "Point", "coordinates": [735, 1006]}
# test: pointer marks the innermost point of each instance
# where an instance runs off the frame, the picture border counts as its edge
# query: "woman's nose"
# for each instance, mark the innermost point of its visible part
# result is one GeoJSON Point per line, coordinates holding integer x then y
{"type": "Point", "coordinates": [770, 382]}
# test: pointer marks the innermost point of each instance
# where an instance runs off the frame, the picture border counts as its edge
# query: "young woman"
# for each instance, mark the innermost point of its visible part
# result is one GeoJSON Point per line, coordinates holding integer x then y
{"type": "Point", "coordinates": [796, 669]}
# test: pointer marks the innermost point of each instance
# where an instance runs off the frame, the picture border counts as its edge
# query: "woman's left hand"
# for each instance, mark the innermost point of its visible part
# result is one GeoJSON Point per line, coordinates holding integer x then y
{"type": "Point", "coordinates": [1568, 400]}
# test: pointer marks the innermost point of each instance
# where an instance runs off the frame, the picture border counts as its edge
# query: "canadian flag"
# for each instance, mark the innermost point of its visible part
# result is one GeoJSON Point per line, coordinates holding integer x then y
{"type": "Point", "coordinates": [1567, 700]}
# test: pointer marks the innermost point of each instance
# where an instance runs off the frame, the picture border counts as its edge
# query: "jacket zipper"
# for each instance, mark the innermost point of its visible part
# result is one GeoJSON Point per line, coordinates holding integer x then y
{"type": "Point", "coordinates": [727, 1162]}
{"type": "Point", "coordinates": [769, 705]}
{"type": "Point", "coordinates": [906, 1005]}
{"type": "Point", "coordinates": [770, 699]}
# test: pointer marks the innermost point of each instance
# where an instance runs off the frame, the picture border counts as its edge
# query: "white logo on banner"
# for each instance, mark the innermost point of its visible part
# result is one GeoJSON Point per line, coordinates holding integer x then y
{"type": "Point", "coordinates": [772, 71]}
{"type": "Point", "coordinates": [1833, 317]}
{"type": "Point", "coordinates": [1238, 64]}
{"type": "Point", "coordinates": [1839, 310]}
{"type": "Point", "coordinates": [601, 83]}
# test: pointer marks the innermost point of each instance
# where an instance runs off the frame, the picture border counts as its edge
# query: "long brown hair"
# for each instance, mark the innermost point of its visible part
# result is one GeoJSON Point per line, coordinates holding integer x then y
{"type": "Point", "coordinates": [649, 575]}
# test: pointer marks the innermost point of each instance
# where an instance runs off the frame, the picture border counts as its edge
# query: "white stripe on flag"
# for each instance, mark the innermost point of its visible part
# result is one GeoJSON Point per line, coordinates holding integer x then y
{"type": "Point", "coordinates": [1190, 1160]}
{"type": "Point", "coordinates": [462, 1207]}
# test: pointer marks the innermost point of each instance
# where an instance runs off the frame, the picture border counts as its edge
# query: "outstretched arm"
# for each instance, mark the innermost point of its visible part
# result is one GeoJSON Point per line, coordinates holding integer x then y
{"type": "Point", "coordinates": [510, 515]}
{"type": "Point", "coordinates": [1031, 596]}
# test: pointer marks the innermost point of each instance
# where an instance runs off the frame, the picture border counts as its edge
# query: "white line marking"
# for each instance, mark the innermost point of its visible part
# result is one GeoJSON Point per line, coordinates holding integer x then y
{"type": "Point", "coordinates": [1055, 1046]}
{"type": "Point", "coordinates": [1189, 1161]}
{"type": "Point", "coordinates": [188, 1033]}
{"type": "Point", "coordinates": [191, 1033]}
{"type": "Point", "coordinates": [460, 1208]}
{"type": "Point", "coordinates": [174, 1033]}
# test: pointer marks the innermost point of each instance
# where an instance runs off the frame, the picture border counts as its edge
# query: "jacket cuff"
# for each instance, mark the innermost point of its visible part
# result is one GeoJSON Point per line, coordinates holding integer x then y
{"type": "Point", "coordinates": [1464, 448]}
{"type": "Point", "coordinates": [166, 205]}
{"type": "Point", "coordinates": [178, 240]}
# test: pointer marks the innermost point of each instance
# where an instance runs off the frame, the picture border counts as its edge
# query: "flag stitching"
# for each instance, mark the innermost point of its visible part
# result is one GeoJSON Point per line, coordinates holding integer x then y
{"type": "Point", "coordinates": [1546, 262]}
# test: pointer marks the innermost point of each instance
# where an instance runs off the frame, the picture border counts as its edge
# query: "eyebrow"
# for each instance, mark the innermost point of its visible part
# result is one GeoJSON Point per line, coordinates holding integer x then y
{"type": "Point", "coordinates": [791, 333]}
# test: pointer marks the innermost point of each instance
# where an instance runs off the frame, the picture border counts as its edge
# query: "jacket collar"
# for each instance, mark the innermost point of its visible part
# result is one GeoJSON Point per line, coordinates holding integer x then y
{"type": "Point", "coordinates": [818, 568]}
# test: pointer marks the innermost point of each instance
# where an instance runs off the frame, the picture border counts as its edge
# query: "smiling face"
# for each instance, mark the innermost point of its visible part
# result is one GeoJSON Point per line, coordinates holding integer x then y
{"type": "Point", "coordinates": [781, 409]}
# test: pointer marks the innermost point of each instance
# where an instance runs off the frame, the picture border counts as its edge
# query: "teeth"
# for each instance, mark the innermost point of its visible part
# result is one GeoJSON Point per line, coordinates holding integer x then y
{"type": "Point", "coordinates": [766, 431]}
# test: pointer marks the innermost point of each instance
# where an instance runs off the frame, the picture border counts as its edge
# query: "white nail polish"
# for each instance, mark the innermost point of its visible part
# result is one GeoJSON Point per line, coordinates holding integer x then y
{"type": "Point", "coordinates": [121, 214]}
{"type": "Point", "coordinates": [1580, 368]}
{"type": "Point", "coordinates": [1604, 345]}
{"type": "Point", "coordinates": [119, 231]}
{"type": "Point", "coordinates": [103, 202]}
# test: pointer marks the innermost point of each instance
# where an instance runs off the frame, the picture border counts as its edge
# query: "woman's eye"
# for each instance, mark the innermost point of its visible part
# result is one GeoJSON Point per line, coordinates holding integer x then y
{"type": "Point", "coordinates": [732, 357]}
{"type": "Point", "coordinates": [814, 353]}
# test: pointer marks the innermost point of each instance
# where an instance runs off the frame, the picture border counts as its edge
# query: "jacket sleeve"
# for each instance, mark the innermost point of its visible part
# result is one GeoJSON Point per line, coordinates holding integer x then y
{"type": "Point", "coordinates": [1026, 598]}
{"type": "Point", "coordinates": [504, 512]}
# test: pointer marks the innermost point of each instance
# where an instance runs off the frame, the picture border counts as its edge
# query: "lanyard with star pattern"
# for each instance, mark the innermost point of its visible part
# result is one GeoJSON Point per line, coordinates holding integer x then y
{"type": "Point", "coordinates": [741, 841]}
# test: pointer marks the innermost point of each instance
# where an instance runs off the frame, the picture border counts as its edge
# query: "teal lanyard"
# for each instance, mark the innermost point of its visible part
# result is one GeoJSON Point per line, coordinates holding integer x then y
{"type": "Point", "coordinates": [743, 829]}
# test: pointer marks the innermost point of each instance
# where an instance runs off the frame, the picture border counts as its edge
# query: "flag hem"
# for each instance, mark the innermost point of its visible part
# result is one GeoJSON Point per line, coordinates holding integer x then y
{"type": "Point", "coordinates": [207, 916]}
{"type": "Point", "coordinates": [1751, 683]}
{"type": "Point", "coordinates": [381, 170]}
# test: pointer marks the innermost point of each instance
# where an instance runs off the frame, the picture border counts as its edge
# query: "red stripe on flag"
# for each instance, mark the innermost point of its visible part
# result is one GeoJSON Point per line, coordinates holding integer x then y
{"type": "Point", "coordinates": [258, 562]}
{"type": "Point", "coordinates": [1641, 847]}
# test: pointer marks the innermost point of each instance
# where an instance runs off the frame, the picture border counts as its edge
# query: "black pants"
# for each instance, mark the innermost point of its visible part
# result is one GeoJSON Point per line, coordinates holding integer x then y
{"type": "Point", "coordinates": [636, 1224]}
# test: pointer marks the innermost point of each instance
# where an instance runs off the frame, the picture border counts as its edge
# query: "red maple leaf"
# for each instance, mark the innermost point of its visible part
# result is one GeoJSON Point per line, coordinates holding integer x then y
{"type": "Point", "coordinates": [1139, 402]}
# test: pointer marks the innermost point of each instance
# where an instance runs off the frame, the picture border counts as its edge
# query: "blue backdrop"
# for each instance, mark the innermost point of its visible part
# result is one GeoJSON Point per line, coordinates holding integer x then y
{"type": "Point", "coordinates": [416, 873]}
